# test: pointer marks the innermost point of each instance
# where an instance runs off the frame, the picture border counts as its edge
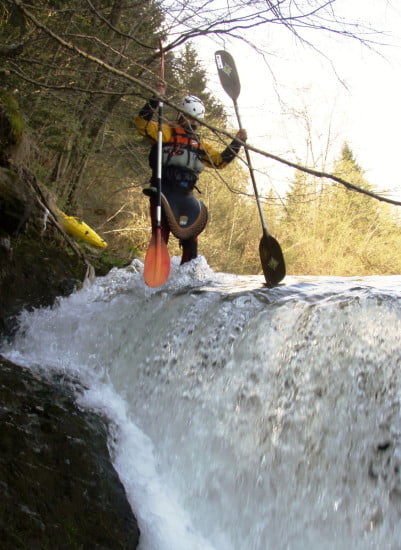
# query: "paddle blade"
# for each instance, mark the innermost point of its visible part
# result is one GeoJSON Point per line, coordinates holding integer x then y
{"type": "Point", "coordinates": [272, 259]}
{"type": "Point", "coordinates": [157, 261]}
{"type": "Point", "coordinates": [228, 73]}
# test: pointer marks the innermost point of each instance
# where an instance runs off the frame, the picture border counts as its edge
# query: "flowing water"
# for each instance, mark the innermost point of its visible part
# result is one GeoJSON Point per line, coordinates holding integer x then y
{"type": "Point", "coordinates": [243, 418]}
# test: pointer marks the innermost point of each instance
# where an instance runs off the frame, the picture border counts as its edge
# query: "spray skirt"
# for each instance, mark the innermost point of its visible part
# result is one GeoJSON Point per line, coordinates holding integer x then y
{"type": "Point", "coordinates": [186, 215]}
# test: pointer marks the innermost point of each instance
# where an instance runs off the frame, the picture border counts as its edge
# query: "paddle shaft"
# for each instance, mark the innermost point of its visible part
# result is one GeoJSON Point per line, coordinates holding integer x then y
{"type": "Point", "coordinates": [159, 148]}
{"type": "Point", "coordinates": [251, 172]}
{"type": "Point", "coordinates": [271, 256]}
{"type": "Point", "coordinates": [157, 259]}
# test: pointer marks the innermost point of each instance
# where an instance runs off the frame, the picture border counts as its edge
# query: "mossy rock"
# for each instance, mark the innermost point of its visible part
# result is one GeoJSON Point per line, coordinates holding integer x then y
{"type": "Point", "coordinates": [11, 123]}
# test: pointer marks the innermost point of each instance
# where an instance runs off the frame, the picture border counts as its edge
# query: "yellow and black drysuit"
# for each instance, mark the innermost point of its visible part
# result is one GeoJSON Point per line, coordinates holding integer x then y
{"type": "Point", "coordinates": [184, 156]}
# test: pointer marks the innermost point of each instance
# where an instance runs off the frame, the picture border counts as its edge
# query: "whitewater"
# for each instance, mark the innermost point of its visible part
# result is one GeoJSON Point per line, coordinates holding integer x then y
{"type": "Point", "coordinates": [241, 417]}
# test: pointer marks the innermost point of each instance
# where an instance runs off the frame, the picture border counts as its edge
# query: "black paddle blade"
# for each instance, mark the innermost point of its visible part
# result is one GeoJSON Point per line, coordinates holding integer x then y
{"type": "Point", "coordinates": [228, 74]}
{"type": "Point", "coordinates": [272, 259]}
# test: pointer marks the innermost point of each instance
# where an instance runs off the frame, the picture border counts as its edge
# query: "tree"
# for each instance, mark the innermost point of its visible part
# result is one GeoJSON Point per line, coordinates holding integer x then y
{"type": "Point", "coordinates": [339, 232]}
{"type": "Point", "coordinates": [75, 98]}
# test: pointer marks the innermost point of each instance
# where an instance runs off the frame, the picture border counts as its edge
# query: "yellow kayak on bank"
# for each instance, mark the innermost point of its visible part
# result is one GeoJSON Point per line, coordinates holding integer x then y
{"type": "Point", "coordinates": [75, 227]}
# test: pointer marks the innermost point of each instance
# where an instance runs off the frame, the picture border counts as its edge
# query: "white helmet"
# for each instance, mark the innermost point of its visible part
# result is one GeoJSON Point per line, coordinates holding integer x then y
{"type": "Point", "coordinates": [193, 106]}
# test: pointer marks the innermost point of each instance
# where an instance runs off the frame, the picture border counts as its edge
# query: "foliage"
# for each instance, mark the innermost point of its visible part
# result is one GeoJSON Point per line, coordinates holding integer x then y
{"type": "Point", "coordinates": [230, 240]}
{"type": "Point", "coordinates": [11, 123]}
{"type": "Point", "coordinates": [191, 78]}
{"type": "Point", "coordinates": [331, 230]}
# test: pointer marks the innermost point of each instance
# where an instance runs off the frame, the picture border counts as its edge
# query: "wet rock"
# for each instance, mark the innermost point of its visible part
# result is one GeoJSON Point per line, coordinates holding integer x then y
{"type": "Point", "coordinates": [35, 265]}
{"type": "Point", "coordinates": [58, 486]}
{"type": "Point", "coordinates": [33, 273]}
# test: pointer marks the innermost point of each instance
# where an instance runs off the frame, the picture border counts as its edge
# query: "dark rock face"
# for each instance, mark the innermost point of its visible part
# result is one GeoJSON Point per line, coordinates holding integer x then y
{"type": "Point", "coordinates": [34, 275]}
{"type": "Point", "coordinates": [58, 487]}
{"type": "Point", "coordinates": [34, 266]}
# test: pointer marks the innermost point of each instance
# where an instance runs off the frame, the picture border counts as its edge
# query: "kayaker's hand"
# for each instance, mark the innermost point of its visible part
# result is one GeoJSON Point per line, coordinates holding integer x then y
{"type": "Point", "coordinates": [161, 87]}
{"type": "Point", "coordinates": [242, 134]}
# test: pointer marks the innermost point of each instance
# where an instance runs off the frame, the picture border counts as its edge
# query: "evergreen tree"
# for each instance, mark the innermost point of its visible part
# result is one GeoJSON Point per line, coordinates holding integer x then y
{"type": "Point", "coordinates": [331, 230]}
{"type": "Point", "coordinates": [189, 78]}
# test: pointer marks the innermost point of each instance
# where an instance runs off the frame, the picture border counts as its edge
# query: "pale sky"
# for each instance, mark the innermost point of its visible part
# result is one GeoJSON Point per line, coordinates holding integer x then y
{"type": "Point", "coordinates": [360, 105]}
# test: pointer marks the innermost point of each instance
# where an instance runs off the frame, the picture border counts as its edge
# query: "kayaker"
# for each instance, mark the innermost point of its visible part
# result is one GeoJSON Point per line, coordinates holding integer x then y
{"type": "Point", "coordinates": [184, 156]}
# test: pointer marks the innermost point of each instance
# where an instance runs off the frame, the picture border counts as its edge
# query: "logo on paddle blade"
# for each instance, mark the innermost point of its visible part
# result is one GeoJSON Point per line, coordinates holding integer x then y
{"type": "Point", "coordinates": [223, 66]}
{"type": "Point", "coordinates": [273, 263]}
{"type": "Point", "coordinates": [227, 69]}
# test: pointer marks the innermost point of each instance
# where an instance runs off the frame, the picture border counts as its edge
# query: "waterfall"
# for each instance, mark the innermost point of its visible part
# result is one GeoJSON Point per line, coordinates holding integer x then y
{"type": "Point", "coordinates": [242, 417]}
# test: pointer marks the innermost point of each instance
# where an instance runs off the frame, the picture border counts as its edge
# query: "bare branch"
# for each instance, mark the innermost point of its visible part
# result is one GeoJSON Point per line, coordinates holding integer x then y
{"type": "Point", "coordinates": [189, 20]}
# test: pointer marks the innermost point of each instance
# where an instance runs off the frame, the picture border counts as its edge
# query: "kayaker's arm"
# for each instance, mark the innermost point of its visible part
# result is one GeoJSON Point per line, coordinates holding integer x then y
{"type": "Point", "coordinates": [148, 127]}
{"type": "Point", "coordinates": [215, 159]}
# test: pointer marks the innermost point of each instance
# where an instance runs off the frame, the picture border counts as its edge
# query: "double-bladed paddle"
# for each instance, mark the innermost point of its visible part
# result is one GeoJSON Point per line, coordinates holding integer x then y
{"type": "Point", "coordinates": [157, 259]}
{"type": "Point", "coordinates": [271, 256]}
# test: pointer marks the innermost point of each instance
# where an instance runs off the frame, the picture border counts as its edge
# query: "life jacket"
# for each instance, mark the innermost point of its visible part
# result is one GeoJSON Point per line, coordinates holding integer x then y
{"type": "Point", "coordinates": [183, 150]}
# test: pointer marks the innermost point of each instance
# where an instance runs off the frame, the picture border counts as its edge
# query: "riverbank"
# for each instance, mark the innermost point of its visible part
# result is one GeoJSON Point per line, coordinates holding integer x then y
{"type": "Point", "coordinates": [59, 487]}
